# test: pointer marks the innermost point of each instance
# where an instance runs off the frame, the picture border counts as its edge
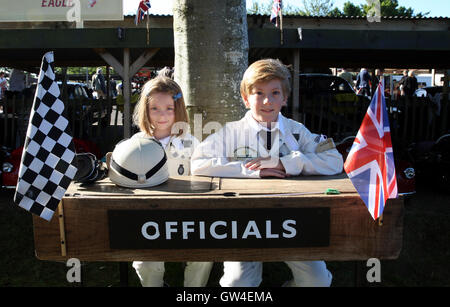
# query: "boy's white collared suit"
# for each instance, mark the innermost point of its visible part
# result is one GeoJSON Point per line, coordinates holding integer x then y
{"type": "Point", "coordinates": [224, 154]}
{"type": "Point", "coordinates": [151, 273]}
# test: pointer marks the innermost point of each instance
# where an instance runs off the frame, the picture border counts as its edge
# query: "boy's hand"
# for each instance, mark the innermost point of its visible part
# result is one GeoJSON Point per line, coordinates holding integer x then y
{"type": "Point", "coordinates": [265, 163]}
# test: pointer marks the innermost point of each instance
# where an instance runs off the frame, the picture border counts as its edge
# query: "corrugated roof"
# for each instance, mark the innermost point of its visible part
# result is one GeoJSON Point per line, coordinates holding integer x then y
{"type": "Point", "coordinates": [443, 18]}
{"type": "Point", "coordinates": [354, 17]}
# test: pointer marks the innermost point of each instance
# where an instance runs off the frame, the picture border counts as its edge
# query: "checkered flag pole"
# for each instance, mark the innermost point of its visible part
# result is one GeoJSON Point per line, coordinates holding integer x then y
{"type": "Point", "coordinates": [47, 165]}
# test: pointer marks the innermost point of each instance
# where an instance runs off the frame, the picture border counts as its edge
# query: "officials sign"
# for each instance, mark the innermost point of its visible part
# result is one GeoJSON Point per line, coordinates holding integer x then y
{"type": "Point", "coordinates": [219, 228]}
{"type": "Point", "coordinates": [56, 10]}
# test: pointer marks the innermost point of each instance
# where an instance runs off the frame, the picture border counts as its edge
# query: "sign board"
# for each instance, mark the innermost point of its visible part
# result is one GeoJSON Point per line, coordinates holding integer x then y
{"type": "Point", "coordinates": [205, 222]}
{"type": "Point", "coordinates": [58, 10]}
{"type": "Point", "coordinates": [219, 228]}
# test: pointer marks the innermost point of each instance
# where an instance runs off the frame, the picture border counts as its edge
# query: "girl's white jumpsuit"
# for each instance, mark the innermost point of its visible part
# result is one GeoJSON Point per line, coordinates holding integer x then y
{"type": "Point", "coordinates": [151, 273]}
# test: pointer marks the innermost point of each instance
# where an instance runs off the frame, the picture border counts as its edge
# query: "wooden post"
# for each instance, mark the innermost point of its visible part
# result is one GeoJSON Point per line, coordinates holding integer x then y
{"type": "Point", "coordinates": [296, 86]}
{"type": "Point", "coordinates": [62, 231]}
{"type": "Point", "coordinates": [126, 94]}
{"type": "Point", "coordinates": [444, 102]}
{"type": "Point", "coordinates": [281, 26]}
{"type": "Point", "coordinates": [108, 95]}
{"type": "Point", "coordinates": [127, 71]}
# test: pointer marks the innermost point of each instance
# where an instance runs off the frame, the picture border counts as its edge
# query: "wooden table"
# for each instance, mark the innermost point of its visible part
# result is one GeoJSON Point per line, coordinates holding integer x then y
{"type": "Point", "coordinates": [352, 233]}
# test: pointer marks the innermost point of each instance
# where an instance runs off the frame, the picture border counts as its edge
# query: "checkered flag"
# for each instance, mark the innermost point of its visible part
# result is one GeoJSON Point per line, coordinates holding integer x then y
{"type": "Point", "coordinates": [47, 165]}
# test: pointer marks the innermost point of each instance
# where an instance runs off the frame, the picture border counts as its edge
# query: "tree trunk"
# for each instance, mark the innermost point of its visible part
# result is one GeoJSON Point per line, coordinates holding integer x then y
{"type": "Point", "coordinates": [211, 55]}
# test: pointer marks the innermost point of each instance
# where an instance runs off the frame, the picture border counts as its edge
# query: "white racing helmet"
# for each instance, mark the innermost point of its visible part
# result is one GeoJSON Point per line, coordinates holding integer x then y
{"type": "Point", "coordinates": [138, 163]}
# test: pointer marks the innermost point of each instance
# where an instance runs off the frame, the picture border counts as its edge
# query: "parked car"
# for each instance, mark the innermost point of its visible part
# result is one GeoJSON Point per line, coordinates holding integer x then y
{"type": "Point", "coordinates": [329, 88]}
{"type": "Point", "coordinates": [431, 159]}
{"type": "Point", "coordinates": [404, 169]}
{"type": "Point", "coordinates": [429, 90]}
{"type": "Point", "coordinates": [77, 90]}
{"type": "Point", "coordinates": [85, 111]}
{"type": "Point", "coordinates": [323, 84]}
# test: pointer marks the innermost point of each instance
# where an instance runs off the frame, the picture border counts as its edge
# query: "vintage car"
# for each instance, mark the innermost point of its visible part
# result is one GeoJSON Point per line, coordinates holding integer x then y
{"type": "Point", "coordinates": [11, 161]}
{"type": "Point", "coordinates": [405, 173]}
{"type": "Point", "coordinates": [323, 86]}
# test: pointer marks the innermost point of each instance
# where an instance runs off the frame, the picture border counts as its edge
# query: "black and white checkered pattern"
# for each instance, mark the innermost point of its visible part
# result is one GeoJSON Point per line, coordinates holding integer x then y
{"type": "Point", "coordinates": [47, 167]}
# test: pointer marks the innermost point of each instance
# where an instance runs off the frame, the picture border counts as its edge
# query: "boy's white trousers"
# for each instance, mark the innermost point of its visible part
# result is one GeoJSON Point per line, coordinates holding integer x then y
{"type": "Point", "coordinates": [151, 273]}
{"type": "Point", "coordinates": [249, 274]}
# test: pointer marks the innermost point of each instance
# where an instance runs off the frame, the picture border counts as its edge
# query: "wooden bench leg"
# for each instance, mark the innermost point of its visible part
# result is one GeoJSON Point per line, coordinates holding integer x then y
{"type": "Point", "coordinates": [123, 270]}
{"type": "Point", "coordinates": [359, 274]}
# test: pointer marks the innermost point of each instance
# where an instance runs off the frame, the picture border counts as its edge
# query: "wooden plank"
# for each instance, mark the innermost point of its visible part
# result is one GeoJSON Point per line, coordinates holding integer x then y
{"type": "Point", "coordinates": [353, 233]}
{"type": "Point", "coordinates": [174, 186]}
{"type": "Point", "coordinates": [301, 184]}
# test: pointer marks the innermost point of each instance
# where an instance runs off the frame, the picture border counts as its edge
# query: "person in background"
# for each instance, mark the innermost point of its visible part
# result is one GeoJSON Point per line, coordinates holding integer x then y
{"type": "Point", "coordinates": [113, 88]}
{"type": "Point", "coordinates": [401, 83]}
{"type": "Point", "coordinates": [347, 76]}
{"type": "Point", "coordinates": [410, 84]}
{"type": "Point", "coordinates": [376, 78]}
{"type": "Point", "coordinates": [99, 84]}
{"type": "Point", "coordinates": [363, 82]}
{"type": "Point", "coordinates": [17, 82]}
{"type": "Point", "coordinates": [3, 84]}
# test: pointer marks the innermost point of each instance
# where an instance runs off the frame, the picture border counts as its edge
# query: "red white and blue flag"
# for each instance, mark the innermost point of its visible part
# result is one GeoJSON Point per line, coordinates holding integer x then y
{"type": "Point", "coordinates": [370, 162]}
{"type": "Point", "coordinates": [143, 7]}
{"type": "Point", "coordinates": [276, 8]}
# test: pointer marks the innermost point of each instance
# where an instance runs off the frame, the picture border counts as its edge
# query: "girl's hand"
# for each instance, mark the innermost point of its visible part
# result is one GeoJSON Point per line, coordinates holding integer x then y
{"type": "Point", "coordinates": [265, 163]}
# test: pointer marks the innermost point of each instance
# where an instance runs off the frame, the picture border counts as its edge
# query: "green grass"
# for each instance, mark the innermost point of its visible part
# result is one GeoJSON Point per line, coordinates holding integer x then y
{"type": "Point", "coordinates": [424, 260]}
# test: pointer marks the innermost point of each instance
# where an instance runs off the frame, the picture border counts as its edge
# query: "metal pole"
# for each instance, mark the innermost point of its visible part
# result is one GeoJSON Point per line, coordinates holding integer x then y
{"type": "Point", "coordinates": [296, 85]}
{"type": "Point", "coordinates": [126, 94]}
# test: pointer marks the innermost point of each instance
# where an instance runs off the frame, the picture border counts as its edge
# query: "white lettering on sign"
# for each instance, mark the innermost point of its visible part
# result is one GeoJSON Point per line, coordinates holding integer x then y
{"type": "Point", "coordinates": [169, 229]}
{"type": "Point", "coordinates": [251, 230]}
{"type": "Point", "coordinates": [213, 232]}
{"type": "Point", "coordinates": [144, 230]}
{"type": "Point", "coordinates": [292, 231]}
{"type": "Point", "coordinates": [218, 230]}
{"type": "Point", "coordinates": [186, 230]}
{"type": "Point", "coordinates": [202, 230]}
{"type": "Point", "coordinates": [269, 234]}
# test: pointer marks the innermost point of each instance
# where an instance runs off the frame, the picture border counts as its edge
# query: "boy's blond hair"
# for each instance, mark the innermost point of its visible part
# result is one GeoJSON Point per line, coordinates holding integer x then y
{"type": "Point", "coordinates": [160, 84]}
{"type": "Point", "coordinates": [264, 71]}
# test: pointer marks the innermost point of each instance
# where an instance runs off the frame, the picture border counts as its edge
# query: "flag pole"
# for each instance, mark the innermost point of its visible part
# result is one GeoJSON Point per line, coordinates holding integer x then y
{"type": "Point", "coordinates": [62, 231]}
{"type": "Point", "coordinates": [281, 26]}
{"type": "Point", "coordinates": [148, 28]}
{"type": "Point", "coordinates": [380, 220]}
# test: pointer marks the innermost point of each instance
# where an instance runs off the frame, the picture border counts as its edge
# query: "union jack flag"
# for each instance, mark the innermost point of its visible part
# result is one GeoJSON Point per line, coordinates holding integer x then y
{"type": "Point", "coordinates": [370, 162]}
{"type": "Point", "coordinates": [143, 7]}
{"type": "Point", "coordinates": [276, 8]}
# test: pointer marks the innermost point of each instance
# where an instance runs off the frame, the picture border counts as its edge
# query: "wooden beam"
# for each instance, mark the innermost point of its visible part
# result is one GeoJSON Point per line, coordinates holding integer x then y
{"type": "Point", "coordinates": [84, 38]}
{"type": "Point", "coordinates": [134, 68]}
{"type": "Point", "coordinates": [141, 60]}
{"type": "Point", "coordinates": [126, 94]}
{"type": "Point", "coordinates": [111, 60]}
{"type": "Point", "coordinates": [296, 86]}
